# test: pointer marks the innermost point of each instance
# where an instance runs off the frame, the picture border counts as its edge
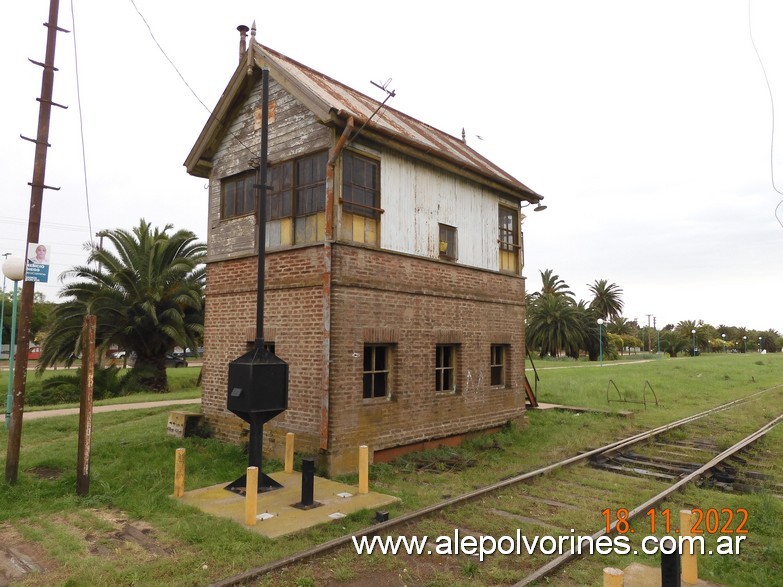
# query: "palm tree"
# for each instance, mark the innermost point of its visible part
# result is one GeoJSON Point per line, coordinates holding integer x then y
{"type": "Point", "coordinates": [147, 296]}
{"type": "Point", "coordinates": [620, 326]}
{"type": "Point", "coordinates": [672, 343]}
{"type": "Point", "coordinates": [552, 284]}
{"type": "Point", "coordinates": [607, 300]}
{"type": "Point", "coordinates": [554, 326]}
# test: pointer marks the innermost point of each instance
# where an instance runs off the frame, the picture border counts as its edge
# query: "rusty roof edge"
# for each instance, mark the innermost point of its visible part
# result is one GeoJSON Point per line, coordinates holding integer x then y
{"type": "Point", "coordinates": [491, 179]}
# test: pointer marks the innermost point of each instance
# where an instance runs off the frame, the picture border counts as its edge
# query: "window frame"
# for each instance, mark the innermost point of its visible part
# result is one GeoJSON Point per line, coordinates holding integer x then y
{"type": "Point", "coordinates": [444, 370]}
{"type": "Point", "coordinates": [508, 245]}
{"type": "Point", "coordinates": [232, 181]}
{"type": "Point", "coordinates": [450, 253]}
{"type": "Point", "coordinates": [498, 360]}
{"type": "Point", "coordinates": [352, 206]}
{"type": "Point", "coordinates": [369, 391]}
{"type": "Point", "coordinates": [287, 198]}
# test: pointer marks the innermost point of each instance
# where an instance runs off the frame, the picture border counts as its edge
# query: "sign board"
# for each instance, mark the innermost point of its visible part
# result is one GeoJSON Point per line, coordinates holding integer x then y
{"type": "Point", "coordinates": [37, 266]}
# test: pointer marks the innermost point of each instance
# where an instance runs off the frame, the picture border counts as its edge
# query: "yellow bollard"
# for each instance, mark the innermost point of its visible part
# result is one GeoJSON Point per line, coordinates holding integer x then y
{"type": "Point", "coordinates": [364, 465]}
{"type": "Point", "coordinates": [179, 473]}
{"type": "Point", "coordinates": [613, 577]}
{"type": "Point", "coordinates": [688, 562]}
{"type": "Point", "coordinates": [289, 453]}
{"type": "Point", "coordinates": [251, 496]}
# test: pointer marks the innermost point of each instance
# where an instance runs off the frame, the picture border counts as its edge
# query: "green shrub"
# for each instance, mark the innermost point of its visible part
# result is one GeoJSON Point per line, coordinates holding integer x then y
{"type": "Point", "coordinates": [66, 388]}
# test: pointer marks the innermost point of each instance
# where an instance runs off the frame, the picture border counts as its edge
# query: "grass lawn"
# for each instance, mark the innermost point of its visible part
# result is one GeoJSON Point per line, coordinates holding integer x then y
{"type": "Point", "coordinates": [133, 458]}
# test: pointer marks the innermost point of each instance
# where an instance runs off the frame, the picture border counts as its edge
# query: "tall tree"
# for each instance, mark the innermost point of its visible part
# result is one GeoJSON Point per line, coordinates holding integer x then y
{"type": "Point", "coordinates": [552, 284]}
{"type": "Point", "coordinates": [147, 295]}
{"type": "Point", "coordinates": [607, 299]}
{"type": "Point", "coordinates": [554, 326]}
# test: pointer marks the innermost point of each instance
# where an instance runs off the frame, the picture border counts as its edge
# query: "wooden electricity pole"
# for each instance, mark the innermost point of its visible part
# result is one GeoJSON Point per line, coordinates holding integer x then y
{"type": "Point", "coordinates": [85, 406]}
{"type": "Point", "coordinates": [33, 228]}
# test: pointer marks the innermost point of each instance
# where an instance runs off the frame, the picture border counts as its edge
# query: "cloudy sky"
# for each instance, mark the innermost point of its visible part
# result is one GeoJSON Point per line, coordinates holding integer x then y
{"type": "Point", "coordinates": [646, 125]}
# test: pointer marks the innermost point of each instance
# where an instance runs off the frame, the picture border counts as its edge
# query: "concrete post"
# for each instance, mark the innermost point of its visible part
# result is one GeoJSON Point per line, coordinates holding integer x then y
{"type": "Point", "coordinates": [364, 469]}
{"type": "Point", "coordinates": [251, 496]}
{"type": "Point", "coordinates": [179, 473]}
{"type": "Point", "coordinates": [289, 453]}
{"type": "Point", "coordinates": [613, 577]}
{"type": "Point", "coordinates": [688, 561]}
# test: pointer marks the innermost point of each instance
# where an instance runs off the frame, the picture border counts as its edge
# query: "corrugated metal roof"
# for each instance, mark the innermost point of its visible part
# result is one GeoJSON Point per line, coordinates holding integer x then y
{"type": "Point", "coordinates": [344, 101]}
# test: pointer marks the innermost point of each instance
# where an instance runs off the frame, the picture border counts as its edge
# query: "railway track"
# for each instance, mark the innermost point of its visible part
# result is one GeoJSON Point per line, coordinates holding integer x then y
{"type": "Point", "coordinates": [630, 475]}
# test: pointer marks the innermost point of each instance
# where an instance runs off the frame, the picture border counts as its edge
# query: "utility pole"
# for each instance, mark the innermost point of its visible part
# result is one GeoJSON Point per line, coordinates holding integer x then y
{"type": "Point", "coordinates": [33, 229]}
{"type": "Point", "coordinates": [649, 337]}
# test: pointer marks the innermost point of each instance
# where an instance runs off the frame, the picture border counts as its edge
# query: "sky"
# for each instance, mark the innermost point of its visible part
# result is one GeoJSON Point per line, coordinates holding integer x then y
{"type": "Point", "coordinates": [647, 126]}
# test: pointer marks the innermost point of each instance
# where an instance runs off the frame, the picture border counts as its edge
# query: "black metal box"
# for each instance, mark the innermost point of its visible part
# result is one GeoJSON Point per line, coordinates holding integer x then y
{"type": "Point", "coordinates": [257, 382]}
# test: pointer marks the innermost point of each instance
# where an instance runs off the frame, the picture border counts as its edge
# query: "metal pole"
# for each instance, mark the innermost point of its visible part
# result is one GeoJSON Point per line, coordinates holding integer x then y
{"type": "Point", "coordinates": [261, 207]}
{"type": "Point", "coordinates": [33, 229]}
{"type": "Point", "coordinates": [85, 407]}
{"type": "Point", "coordinates": [9, 398]}
{"type": "Point", "coordinates": [2, 316]}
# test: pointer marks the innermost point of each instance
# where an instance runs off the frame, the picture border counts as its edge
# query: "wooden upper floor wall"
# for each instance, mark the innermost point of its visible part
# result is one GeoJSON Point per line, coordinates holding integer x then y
{"type": "Point", "coordinates": [416, 197]}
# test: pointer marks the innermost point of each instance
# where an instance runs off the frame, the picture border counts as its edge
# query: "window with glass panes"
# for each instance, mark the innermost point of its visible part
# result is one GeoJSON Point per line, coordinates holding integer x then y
{"type": "Point", "coordinates": [375, 374]}
{"type": "Point", "coordinates": [497, 365]}
{"type": "Point", "coordinates": [298, 187]}
{"type": "Point", "coordinates": [508, 239]}
{"type": "Point", "coordinates": [361, 198]}
{"type": "Point", "coordinates": [238, 195]}
{"type": "Point", "coordinates": [445, 359]}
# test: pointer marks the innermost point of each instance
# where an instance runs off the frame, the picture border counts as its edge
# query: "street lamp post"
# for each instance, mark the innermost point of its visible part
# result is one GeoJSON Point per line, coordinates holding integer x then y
{"type": "Point", "coordinates": [13, 269]}
{"type": "Point", "coordinates": [2, 311]}
{"type": "Point", "coordinates": [600, 343]}
{"type": "Point", "coordinates": [744, 345]}
{"type": "Point", "coordinates": [759, 344]}
{"type": "Point", "coordinates": [693, 332]}
{"type": "Point", "coordinates": [723, 336]}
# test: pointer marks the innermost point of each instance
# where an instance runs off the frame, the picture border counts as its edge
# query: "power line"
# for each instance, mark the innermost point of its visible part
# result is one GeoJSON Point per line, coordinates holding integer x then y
{"type": "Point", "coordinates": [81, 119]}
{"type": "Point", "coordinates": [772, 104]}
{"type": "Point", "coordinates": [182, 77]}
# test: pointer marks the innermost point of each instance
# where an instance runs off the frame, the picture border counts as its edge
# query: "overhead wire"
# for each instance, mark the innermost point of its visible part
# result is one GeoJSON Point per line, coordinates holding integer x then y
{"type": "Point", "coordinates": [182, 77]}
{"type": "Point", "coordinates": [81, 120]}
{"type": "Point", "coordinates": [772, 106]}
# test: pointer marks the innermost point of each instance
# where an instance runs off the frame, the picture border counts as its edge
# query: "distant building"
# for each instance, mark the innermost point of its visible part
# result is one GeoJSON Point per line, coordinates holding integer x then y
{"type": "Point", "coordinates": [393, 268]}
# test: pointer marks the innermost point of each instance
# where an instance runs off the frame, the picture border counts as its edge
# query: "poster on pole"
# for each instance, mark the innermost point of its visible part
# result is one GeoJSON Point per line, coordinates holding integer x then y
{"type": "Point", "coordinates": [37, 266]}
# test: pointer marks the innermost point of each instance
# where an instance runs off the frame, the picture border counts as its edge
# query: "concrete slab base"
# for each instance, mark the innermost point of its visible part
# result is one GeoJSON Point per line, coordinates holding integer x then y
{"type": "Point", "coordinates": [277, 515]}
{"type": "Point", "coordinates": [639, 575]}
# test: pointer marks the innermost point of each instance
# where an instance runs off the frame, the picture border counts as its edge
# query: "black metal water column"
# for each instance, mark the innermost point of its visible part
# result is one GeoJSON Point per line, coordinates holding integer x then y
{"type": "Point", "coordinates": [258, 380]}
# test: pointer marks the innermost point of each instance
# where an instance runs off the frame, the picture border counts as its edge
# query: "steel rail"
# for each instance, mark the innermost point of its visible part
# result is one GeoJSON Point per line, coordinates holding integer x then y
{"type": "Point", "coordinates": [255, 572]}
{"type": "Point", "coordinates": [561, 560]}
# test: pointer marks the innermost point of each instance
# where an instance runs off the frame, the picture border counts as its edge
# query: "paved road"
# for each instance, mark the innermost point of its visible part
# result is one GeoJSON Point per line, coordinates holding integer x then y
{"type": "Point", "coordinates": [112, 408]}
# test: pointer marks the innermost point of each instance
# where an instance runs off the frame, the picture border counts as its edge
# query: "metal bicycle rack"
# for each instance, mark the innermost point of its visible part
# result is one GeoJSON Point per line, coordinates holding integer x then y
{"type": "Point", "coordinates": [623, 400]}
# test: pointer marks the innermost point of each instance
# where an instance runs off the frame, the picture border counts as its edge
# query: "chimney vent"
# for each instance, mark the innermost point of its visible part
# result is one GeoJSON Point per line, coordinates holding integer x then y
{"type": "Point", "coordinates": [242, 41]}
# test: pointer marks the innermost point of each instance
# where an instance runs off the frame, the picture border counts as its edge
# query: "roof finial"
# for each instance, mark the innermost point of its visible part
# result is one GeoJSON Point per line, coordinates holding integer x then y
{"type": "Point", "coordinates": [463, 135]}
{"type": "Point", "coordinates": [242, 41]}
{"type": "Point", "coordinates": [252, 41]}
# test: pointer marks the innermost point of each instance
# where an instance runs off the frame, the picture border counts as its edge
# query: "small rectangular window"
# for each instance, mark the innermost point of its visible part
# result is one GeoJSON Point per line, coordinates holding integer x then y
{"type": "Point", "coordinates": [497, 365]}
{"type": "Point", "coordinates": [445, 362]}
{"type": "Point", "coordinates": [238, 195]}
{"type": "Point", "coordinates": [375, 374]}
{"type": "Point", "coordinates": [508, 239]}
{"type": "Point", "coordinates": [447, 240]}
{"type": "Point", "coordinates": [361, 186]}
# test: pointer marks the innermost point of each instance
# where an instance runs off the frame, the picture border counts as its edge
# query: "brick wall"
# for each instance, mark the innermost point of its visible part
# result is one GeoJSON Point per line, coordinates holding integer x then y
{"type": "Point", "coordinates": [415, 304]}
{"type": "Point", "coordinates": [377, 297]}
{"type": "Point", "coordinates": [293, 320]}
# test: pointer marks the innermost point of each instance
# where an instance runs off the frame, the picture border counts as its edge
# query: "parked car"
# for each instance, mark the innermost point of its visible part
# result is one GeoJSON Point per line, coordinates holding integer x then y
{"type": "Point", "coordinates": [174, 361]}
